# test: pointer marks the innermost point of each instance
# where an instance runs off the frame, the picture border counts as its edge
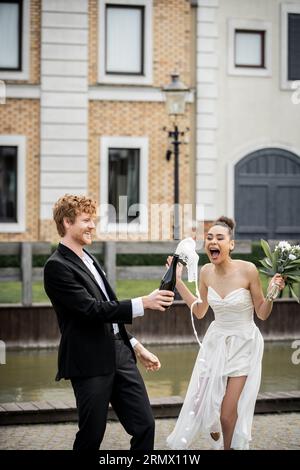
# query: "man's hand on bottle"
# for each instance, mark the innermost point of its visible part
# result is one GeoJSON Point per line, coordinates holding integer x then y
{"type": "Point", "coordinates": [158, 300]}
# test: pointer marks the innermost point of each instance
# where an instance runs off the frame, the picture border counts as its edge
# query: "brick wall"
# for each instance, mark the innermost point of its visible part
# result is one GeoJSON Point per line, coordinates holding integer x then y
{"type": "Point", "coordinates": [172, 37]}
{"type": "Point", "coordinates": [93, 41]}
{"type": "Point", "coordinates": [35, 42]}
{"type": "Point", "coordinates": [172, 46]}
{"type": "Point", "coordinates": [22, 117]}
{"type": "Point", "coordinates": [136, 119]}
{"type": "Point", "coordinates": [140, 119]}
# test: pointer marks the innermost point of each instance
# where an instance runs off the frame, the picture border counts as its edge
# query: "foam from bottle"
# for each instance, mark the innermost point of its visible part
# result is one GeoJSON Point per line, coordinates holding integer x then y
{"type": "Point", "coordinates": [186, 250]}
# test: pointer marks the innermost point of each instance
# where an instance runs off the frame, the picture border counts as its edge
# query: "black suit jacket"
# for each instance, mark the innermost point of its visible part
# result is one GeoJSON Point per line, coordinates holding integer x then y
{"type": "Point", "coordinates": [84, 315]}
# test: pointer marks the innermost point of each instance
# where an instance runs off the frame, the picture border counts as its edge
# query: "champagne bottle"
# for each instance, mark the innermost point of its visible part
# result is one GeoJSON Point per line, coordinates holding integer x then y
{"type": "Point", "coordinates": [168, 282]}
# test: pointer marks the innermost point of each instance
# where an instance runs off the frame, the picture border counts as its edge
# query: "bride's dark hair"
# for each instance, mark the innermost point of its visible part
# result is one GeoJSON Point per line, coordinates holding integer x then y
{"type": "Point", "coordinates": [226, 222]}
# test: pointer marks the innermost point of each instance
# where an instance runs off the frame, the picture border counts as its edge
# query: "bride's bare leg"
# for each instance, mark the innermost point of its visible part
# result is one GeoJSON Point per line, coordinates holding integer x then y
{"type": "Point", "coordinates": [229, 415]}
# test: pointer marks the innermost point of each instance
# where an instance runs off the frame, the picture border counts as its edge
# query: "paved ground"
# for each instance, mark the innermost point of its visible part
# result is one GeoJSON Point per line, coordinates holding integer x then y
{"type": "Point", "coordinates": [273, 431]}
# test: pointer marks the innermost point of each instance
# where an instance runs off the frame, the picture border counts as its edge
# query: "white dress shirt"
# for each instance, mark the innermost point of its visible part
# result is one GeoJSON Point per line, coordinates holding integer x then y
{"type": "Point", "coordinates": [137, 303]}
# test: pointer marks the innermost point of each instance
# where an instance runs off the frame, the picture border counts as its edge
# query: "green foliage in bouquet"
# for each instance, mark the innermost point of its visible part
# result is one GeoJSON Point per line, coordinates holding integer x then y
{"type": "Point", "coordinates": [285, 260]}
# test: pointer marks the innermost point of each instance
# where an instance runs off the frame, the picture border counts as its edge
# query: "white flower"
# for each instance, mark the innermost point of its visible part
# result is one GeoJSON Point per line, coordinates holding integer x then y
{"type": "Point", "coordinates": [284, 246]}
{"type": "Point", "coordinates": [292, 257]}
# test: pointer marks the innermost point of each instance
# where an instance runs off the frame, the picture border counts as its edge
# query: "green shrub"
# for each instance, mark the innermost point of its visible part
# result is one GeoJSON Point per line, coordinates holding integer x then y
{"type": "Point", "coordinates": [13, 261]}
{"type": "Point", "coordinates": [9, 261]}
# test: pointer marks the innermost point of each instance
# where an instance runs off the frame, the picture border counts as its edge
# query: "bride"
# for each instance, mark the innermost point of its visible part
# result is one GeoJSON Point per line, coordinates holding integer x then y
{"type": "Point", "coordinates": [221, 396]}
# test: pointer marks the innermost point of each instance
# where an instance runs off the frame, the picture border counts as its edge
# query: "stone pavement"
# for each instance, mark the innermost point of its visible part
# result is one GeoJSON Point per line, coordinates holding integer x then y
{"type": "Point", "coordinates": [273, 431]}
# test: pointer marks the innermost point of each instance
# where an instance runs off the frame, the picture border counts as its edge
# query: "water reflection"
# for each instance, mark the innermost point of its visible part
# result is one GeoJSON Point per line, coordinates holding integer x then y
{"type": "Point", "coordinates": [29, 375]}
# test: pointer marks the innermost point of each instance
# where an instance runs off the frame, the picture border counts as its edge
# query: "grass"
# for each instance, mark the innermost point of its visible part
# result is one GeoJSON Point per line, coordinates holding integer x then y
{"type": "Point", "coordinates": [10, 292]}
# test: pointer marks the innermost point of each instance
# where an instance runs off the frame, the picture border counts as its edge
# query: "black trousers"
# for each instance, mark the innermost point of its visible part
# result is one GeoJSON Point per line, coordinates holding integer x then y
{"type": "Point", "coordinates": [126, 391]}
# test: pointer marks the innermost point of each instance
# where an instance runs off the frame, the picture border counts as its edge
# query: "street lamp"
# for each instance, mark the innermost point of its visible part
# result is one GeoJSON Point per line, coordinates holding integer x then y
{"type": "Point", "coordinates": [176, 96]}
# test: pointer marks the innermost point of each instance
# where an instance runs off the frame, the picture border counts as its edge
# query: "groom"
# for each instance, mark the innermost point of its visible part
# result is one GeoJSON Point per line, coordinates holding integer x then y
{"type": "Point", "coordinates": [96, 353]}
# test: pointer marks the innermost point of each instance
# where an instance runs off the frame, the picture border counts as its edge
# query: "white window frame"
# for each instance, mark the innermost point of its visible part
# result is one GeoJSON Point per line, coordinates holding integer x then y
{"type": "Point", "coordinates": [124, 79]}
{"type": "Point", "coordinates": [107, 142]}
{"type": "Point", "coordinates": [286, 8]}
{"type": "Point", "coordinates": [233, 25]}
{"type": "Point", "coordinates": [24, 73]}
{"type": "Point", "coordinates": [18, 141]}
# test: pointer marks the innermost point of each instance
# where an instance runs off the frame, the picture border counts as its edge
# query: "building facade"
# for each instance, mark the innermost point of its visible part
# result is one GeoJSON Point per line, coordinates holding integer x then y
{"type": "Point", "coordinates": [84, 111]}
{"type": "Point", "coordinates": [248, 115]}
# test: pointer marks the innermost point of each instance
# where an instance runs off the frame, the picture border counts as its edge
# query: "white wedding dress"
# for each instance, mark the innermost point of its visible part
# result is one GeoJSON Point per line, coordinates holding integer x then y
{"type": "Point", "coordinates": [232, 347]}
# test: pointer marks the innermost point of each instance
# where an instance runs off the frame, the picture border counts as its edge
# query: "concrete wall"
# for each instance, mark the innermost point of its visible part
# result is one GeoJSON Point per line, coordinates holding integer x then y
{"type": "Point", "coordinates": [36, 327]}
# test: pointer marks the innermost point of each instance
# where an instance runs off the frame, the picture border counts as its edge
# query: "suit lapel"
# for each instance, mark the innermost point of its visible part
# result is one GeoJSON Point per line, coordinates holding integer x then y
{"type": "Point", "coordinates": [71, 256]}
{"type": "Point", "coordinates": [111, 293]}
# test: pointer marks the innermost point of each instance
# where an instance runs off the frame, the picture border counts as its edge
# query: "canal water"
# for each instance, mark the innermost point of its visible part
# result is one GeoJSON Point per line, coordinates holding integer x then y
{"type": "Point", "coordinates": [28, 375]}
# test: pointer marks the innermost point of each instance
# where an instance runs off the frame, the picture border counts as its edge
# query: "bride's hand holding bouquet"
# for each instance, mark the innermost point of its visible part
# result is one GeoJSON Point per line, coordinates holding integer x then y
{"type": "Point", "coordinates": [283, 265]}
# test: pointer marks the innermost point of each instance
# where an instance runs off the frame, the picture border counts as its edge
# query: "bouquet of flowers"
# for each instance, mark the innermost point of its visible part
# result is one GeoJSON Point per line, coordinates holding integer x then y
{"type": "Point", "coordinates": [284, 260]}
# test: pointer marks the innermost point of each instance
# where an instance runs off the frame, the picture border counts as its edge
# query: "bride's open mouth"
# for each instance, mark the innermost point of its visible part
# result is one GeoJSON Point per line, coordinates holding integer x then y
{"type": "Point", "coordinates": [214, 253]}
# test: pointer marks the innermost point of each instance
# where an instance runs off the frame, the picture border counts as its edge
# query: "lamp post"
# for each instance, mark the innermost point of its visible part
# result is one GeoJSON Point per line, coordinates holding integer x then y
{"type": "Point", "coordinates": [176, 95]}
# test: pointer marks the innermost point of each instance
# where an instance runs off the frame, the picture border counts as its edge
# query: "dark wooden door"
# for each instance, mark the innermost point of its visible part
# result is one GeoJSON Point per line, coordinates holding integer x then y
{"type": "Point", "coordinates": [267, 195]}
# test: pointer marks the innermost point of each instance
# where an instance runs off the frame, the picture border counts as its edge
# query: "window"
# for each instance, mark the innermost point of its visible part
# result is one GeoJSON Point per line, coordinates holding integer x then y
{"type": "Point", "coordinates": [249, 48]}
{"type": "Point", "coordinates": [123, 181]}
{"type": "Point", "coordinates": [249, 51]}
{"type": "Point", "coordinates": [8, 184]}
{"type": "Point", "coordinates": [12, 183]}
{"type": "Point", "coordinates": [294, 46]}
{"type": "Point", "coordinates": [125, 35]}
{"type": "Point", "coordinates": [14, 39]}
{"type": "Point", "coordinates": [123, 172]}
{"type": "Point", "coordinates": [290, 44]}
{"type": "Point", "coordinates": [10, 35]}
{"type": "Point", "coordinates": [124, 40]}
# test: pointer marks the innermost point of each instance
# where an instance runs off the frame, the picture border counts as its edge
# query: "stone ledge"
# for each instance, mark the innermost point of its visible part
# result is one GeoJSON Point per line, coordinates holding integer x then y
{"type": "Point", "coordinates": [55, 411]}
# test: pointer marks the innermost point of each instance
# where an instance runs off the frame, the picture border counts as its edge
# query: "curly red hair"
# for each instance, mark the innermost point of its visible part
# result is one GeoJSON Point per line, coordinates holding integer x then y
{"type": "Point", "coordinates": [70, 206]}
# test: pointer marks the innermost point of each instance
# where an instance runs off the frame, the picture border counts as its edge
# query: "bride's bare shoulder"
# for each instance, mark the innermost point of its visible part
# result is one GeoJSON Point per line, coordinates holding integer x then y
{"type": "Point", "coordinates": [246, 266]}
{"type": "Point", "coordinates": [206, 269]}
